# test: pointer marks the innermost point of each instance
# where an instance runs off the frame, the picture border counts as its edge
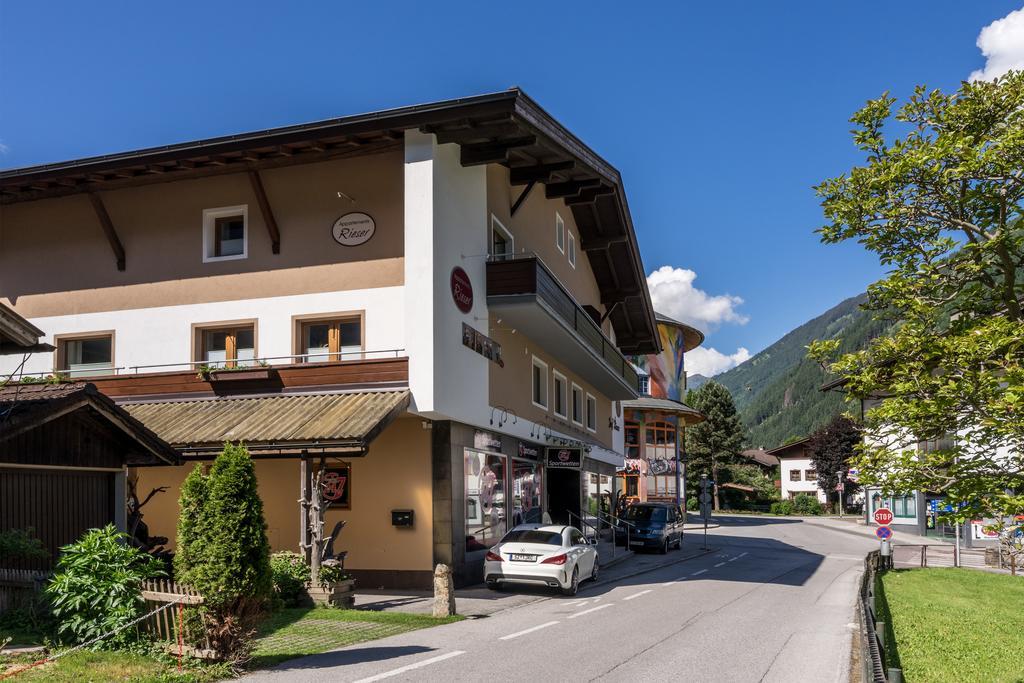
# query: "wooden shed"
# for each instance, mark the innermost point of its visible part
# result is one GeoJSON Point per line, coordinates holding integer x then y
{"type": "Point", "coordinates": [64, 453]}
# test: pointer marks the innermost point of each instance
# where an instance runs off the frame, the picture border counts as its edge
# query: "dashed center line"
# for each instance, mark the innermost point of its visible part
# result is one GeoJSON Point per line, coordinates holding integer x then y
{"type": "Point", "coordinates": [741, 555]}
{"type": "Point", "coordinates": [733, 559]}
{"type": "Point", "coordinates": [588, 611]}
{"type": "Point", "coordinates": [637, 595]}
{"type": "Point", "coordinates": [410, 667]}
{"type": "Point", "coordinates": [719, 564]}
{"type": "Point", "coordinates": [529, 630]}
{"type": "Point", "coordinates": [698, 573]}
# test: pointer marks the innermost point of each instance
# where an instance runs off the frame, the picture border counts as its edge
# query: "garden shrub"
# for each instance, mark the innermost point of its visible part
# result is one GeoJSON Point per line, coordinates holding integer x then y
{"type": "Point", "coordinates": [782, 507]}
{"type": "Point", "coordinates": [692, 505]}
{"type": "Point", "coordinates": [804, 504]}
{"type": "Point", "coordinates": [97, 586]}
{"type": "Point", "coordinates": [19, 544]}
{"type": "Point", "coordinates": [223, 551]}
{"type": "Point", "coordinates": [290, 575]}
{"type": "Point", "coordinates": [331, 574]}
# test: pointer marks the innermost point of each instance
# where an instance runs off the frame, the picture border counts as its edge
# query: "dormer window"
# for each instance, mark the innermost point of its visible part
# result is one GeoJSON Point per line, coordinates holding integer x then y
{"type": "Point", "coordinates": [225, 233]}
{"type": "Point", "coordinates": [645, 385]}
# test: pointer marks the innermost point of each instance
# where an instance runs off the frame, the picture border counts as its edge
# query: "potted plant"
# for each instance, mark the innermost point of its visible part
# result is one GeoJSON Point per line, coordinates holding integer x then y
{"type": "Point", "coordinates": [334, 587]}
{"type": "Point", "coordinates": [237, 373]}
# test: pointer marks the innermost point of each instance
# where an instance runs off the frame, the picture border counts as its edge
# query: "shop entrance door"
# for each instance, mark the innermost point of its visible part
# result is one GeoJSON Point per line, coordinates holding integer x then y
{"type": "Point", "coordinates": [563, 495]}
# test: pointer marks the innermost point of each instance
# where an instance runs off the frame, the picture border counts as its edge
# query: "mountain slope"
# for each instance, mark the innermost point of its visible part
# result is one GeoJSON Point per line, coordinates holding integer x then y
{"type": "Point", "coordinates": [776, 391]}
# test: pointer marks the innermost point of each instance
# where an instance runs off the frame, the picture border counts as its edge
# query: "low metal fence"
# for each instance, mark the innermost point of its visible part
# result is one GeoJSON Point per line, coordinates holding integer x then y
{"type": "Point", "coordinates": [872, 631]}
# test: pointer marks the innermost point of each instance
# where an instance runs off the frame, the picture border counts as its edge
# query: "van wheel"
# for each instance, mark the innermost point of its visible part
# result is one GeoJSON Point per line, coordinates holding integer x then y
{"type": "Point", "coordinates": [664, 547]}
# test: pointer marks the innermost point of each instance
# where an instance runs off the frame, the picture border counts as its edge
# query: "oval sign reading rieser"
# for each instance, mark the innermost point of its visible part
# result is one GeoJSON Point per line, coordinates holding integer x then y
{"type": "Point", "coordinates": [353, 229]}
{"type": "Point", "coordinates": [462, 290]}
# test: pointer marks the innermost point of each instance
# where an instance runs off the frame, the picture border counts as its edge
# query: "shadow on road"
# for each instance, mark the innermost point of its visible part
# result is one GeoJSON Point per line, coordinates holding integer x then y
{"type": "Point", "coordinates": [350, 657]}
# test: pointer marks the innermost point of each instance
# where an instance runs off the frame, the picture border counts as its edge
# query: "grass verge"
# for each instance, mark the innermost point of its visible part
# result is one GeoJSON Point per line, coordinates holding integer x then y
{"type": "Point", "coordinates": [953, 624]}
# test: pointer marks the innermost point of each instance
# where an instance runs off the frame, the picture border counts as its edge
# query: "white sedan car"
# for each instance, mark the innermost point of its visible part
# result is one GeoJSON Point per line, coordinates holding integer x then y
{"type": "Point", "coordinates": [549, 555]}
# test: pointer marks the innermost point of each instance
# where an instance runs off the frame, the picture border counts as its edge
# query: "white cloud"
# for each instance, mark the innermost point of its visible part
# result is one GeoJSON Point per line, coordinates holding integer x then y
{"type": "Point", "coordinates": [1002, 43]}
{"type": "Point", "coordinates": [673, 294]}
{"type": "Point", "coordinates": [710, 362]}
{"type": "Point", "coordinates": [4, 149]}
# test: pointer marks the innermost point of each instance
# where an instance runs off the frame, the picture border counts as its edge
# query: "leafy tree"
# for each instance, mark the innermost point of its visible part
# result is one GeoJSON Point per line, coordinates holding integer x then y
{"type": "Point", "coordinates": [97, 587]}
{"type": "Point", "coordinates": [716, 442]}
{"type": "Point", "coordinates": [941, 206]}
{"type": "Point", "coordinates": [223, 550]}
{"type": "Point", "coordinates": [831, 448]}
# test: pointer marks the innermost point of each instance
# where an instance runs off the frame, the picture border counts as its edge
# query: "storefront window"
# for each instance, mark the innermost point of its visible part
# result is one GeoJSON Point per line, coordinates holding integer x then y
{"type": "Point", "coordinates": [599, 493]}
{"type": "Point", "coordinates": [901, 506]}
{"type": "Point", "coordinates": [661, 486]}
{"type": "Point", "coordinates": [527, 480]}
{"type": "Point", "coordinates": [485, 499]}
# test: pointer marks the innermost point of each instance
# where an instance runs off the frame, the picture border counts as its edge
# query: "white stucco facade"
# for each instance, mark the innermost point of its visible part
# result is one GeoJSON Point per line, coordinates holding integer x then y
{"type": "Point", "coordinates": [794, 475]}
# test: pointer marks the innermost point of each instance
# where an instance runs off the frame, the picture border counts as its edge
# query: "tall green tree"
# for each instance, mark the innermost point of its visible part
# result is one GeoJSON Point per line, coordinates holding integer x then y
{"type": "Point", "coordinates": [223, 551]}
{"type": "Point", "coordinates": [716, 442]}
{"type": "Point", "coordinates": [940, 203]}
{"type": "Point", "coordinates": [831, 448]}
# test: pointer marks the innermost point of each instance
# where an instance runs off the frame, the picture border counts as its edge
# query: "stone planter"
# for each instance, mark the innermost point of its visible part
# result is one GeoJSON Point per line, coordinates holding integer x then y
{"type": "Point", "coordinates": [341, 594]}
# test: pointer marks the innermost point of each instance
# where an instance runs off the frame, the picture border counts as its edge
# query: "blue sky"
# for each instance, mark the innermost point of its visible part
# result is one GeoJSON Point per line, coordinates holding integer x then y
{"type": "Point", "coordinates": [720, 116]}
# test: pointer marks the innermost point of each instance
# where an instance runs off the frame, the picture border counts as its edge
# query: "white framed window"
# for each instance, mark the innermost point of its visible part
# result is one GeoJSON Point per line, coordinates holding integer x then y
{"type": "Point", "coordinates": [503, 244]}
{"type": "Point", "coordinates": [559, 233]}
{"type": "Point", "coordinates": [561, 407]}
{"type": "Point", "coordinates": [540, 383]}
{"type": "Point", "coordinates": [226, 233]}
{"type": "Point", "coordinates": [572, 250]}
{"type": "Point", "coordinates": [591, 413]}
{"type": "Point", "coordinates": [645, 385]}
{"type": "Point", "coordinates": [576, 404]}
{"type": "Point", "coordinates": [85, 355]}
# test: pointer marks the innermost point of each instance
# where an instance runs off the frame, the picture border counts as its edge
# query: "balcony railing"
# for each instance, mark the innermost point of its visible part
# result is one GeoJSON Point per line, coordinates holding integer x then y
{"type": "Point", "coordinates": [528, 276]}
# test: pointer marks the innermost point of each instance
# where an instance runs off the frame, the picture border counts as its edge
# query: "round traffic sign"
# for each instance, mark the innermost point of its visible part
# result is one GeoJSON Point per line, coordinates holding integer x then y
{"type": "Point", "coordinates": [884, 533]}
{"type": "Point", "coordinates": [883, 516]}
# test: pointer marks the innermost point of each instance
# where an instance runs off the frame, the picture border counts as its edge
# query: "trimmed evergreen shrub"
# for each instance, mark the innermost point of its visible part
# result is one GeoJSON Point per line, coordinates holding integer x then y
{"type": "Point", "coordinates": [804, 504]}
{"type": "Point", "coordinates": [782, 507]}
{"type": "Point", "coordinates": [97, 586]}
{"type": "Point", "coordinates": [223, 549]}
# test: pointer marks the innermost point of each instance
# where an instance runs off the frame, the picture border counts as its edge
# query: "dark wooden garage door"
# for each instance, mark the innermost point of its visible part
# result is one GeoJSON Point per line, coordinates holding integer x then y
{"type": "Point", "coordinates": [58, 504]}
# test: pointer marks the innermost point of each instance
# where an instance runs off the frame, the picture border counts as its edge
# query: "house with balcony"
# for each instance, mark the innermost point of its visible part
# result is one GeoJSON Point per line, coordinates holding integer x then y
{"type": "Point", "coordinates": [434, 305]}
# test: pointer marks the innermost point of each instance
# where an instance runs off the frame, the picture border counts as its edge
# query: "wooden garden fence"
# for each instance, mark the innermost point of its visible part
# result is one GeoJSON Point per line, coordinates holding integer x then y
{"type": "Point", "coordinates": [19, 587]}
{"type": "Point", "coordinates": [164, 624]}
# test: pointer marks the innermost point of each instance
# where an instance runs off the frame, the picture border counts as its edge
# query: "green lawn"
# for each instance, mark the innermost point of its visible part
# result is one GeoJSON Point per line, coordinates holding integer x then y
{"type": "Point", "coordinates": [286, 634]}
{"type": "Point", "coordinates": [953, 624]}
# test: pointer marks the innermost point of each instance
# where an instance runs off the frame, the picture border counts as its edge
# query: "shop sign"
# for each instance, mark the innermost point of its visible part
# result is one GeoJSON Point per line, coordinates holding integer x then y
{"type": "Point", "coordinates": [353, 229]}
{"type": "Point", "coordinates": [482, 344]}
{"type": "Point", "coordinates": [564, 458]}
{"type": "Point", "coordinates": [486, 441]}
{"type": "Point", "coordinates": [462, 290]}
{"type": "Point", "coordinates": [529, 451]}
{"type": "Point", "coordinates": [336, 485]}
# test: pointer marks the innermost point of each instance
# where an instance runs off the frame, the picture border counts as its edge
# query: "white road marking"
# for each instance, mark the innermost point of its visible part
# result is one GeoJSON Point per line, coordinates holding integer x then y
{"type": "Point", "coordinates": [741, 555]}
{"type": "Point", "coordinates": [411, 667]}
{"type": "Point", "coordinates": [669, 583]}
{"type": "Point", "coordinates": [719, 564]}
{"type": "Point", "coordinates": [588, 611]}
{"type": "Point", "coordinates": [698, 573]}
{"type": "Point", "coordinates": [529, 630]}
{"type": "Point", "coordinates": [733, 559]}
{"type": "Point", "coordinates": [637, 595]}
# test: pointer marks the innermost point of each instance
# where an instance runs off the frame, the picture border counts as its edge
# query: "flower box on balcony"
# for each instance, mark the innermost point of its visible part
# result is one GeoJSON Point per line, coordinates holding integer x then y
{"type": "Point", "coordinates": [239, 375]}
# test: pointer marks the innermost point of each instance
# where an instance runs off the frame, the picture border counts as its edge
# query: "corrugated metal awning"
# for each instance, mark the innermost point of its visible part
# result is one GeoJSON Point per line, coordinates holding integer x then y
{"type": "Point", "coordinates": [286, 423]}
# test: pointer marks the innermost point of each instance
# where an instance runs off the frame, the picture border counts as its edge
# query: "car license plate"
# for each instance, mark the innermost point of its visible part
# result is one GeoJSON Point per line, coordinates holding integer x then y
{"type": "Point", "coordinates": [636, 542]}
{"type": "Point", "coordinates": [522, 558]}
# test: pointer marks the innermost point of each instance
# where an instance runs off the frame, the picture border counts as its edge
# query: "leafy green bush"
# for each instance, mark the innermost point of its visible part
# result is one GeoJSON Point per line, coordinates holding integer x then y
{"type": "Point", "coordinates": [20, 544]}
{"type": "Point", "coordinates": [223, 551]}
{"type": "Point", "coordinates": [97, 586]}
{"type": "Point", "coordinates": [291, 576]}
{"type": "Point", "coordinates": [331, 574]}
{"type": "Point", "coordinates": [804, 504]}
{"type": "Point", "coordinates": [692, 505]}
{"type": "Point", "coordinates": [782, 507]}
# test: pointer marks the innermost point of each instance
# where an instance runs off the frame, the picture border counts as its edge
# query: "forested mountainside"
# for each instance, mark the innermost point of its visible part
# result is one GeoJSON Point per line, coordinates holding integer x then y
{"type": "Point", "coordinates": [777, 391]}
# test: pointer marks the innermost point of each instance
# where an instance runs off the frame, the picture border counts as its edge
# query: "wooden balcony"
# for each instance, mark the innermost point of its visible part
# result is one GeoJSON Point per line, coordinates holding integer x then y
{"type": "Point", "coordinates": [528, 297]}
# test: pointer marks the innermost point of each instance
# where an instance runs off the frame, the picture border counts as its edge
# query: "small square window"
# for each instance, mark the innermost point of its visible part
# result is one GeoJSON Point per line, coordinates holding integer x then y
{"type": "Point", "coordinates": [540, 383]}
{"type": "Point", "coordinates": [226, 347]}
{"type": "Point", "coordinates": [86, 356]}
{"type": "Point", "coordinates": [794, 475]}
{"type": "Point", "coordinates": [225, 233]}
{"type": "Point", "coordinates": [328, 340]}
{"type": "Point", "coordinates": [572, 250]}
{"type": "Point", "coordinates": [591, 413]}
{"type": "Point", "coordinates": [559, 233]}
{"type": "Point", "coordinates": [812, 475]}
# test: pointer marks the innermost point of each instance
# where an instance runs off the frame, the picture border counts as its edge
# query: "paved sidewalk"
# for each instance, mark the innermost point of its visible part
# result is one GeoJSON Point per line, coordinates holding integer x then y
{"type": "Point", "coordinates": [480, 601]}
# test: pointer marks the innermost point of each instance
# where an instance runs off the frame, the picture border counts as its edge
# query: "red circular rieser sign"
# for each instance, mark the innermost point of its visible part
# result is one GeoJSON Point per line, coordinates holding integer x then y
{"type": "Point", "coordinates": [883, 516]}
{"type": "Point", "coordinates": [462, 290]}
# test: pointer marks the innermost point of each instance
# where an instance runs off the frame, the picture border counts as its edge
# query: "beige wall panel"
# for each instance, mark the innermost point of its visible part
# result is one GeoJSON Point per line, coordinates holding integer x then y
{"type": "Point", "coordinates": [54, 246]}
{"type": "Point", "coordinates": [512, 386]}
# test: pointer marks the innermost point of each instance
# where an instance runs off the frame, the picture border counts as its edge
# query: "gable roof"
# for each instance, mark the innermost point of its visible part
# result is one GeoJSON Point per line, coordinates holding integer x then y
{"type": "Point", "coordinates": [797, 449]}
{"type": "Point", "coordinates": [506, 128]}
{"type": "Point", "coordinates": [18, 335]}
{"type": "Point", "coordinates": [27, 406]}
{"type": "Point", "coordinates": [761, 457]}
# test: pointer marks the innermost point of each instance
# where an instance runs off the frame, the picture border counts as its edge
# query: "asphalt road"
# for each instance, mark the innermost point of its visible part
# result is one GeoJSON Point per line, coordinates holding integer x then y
{"type": "Point", "coordinates": [773, 602]}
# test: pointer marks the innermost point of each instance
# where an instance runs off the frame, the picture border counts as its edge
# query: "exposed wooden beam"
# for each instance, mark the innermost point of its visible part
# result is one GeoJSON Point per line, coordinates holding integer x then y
{"type": "Point", "coordinates": [522, 198]}
{"type": "Point", "coordinates": [521, 175]}
{"type": "Point", "coordinates": [477, 133]}
{"type": "Point", "coordinates": [569, 188]}
{"type": "Point", "coordinates": [590, 195]}
{"type": "Point", "coordinates": [108, 228]}
{"type": "Point", "coordinates": [599, 242]}
{"type": "Point", "coordinates": [611, 296]}
{"type": "Point", "coordinates": [494, 152]}
{"type": "Point", "coordinates": [268, 214]}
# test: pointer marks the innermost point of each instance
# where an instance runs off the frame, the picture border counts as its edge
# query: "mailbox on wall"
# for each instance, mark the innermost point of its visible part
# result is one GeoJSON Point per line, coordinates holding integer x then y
{"type": "Point", "coordinates": [401, 518]}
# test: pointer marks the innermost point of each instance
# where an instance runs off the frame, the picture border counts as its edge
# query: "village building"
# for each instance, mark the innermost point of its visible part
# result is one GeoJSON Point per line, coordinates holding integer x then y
{"type": "Point", "coordinates": [433, 305]}
{"type": "Point", "coordinates": [797, 473]}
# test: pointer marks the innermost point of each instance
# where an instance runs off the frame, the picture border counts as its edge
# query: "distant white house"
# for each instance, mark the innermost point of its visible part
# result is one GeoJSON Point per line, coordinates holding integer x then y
{"type": "Point", "coordinates": [796, 471]}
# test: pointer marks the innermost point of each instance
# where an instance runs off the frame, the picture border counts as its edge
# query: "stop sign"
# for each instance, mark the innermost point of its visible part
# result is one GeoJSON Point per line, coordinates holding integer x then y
{"type": "Point", "coordinates": [883, 516]}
